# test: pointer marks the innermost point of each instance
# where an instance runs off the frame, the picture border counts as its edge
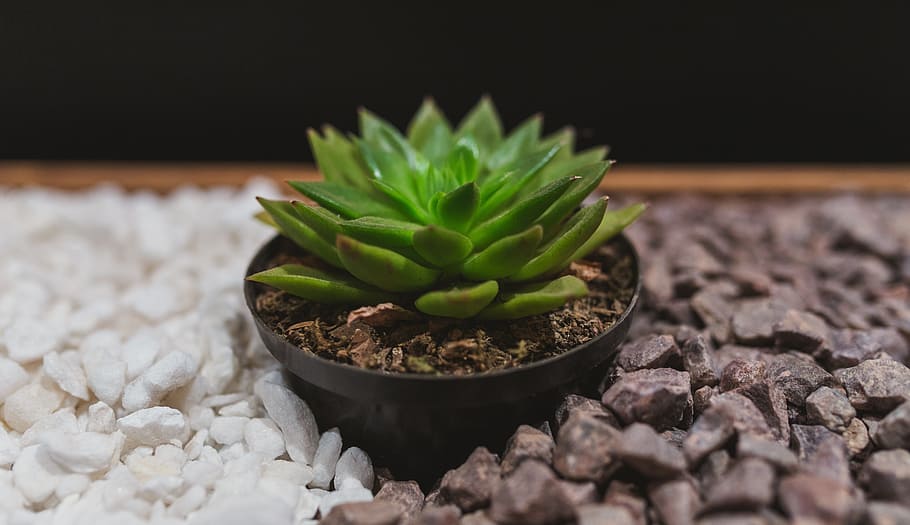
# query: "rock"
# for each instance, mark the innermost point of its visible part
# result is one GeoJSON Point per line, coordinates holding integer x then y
{"type": "Point", "coordinates": [585, 449]}
{"type": "Point", "coordinates": [847, 348]}
{"type": "Point", "coordinates": [104, 371]}
{"type": "Point", "coordinates": [772, 404]}
{"type": "Point", "coordinates": [799, 330]}
{"type": "Point", "coordinates": [83, 453]}
{"type": "Point", "coordinates": [821, 452]}
{"type": "Point", "coordinates": [101, 418]}
{"type": "Point", "coordinates": [674, 437]}
{"type": "Point", "coordinates": [701, 399]}
{"type": "Point", "coordinates": [294, 418]}
{"type": "Point", "coordinates": [263, 437]}
{"type": "Point", "coordinates": [627, 495]}
{"type": "Point", "coordinates": [891, 342]}
{"type": "Point", "coordinates": [677, 501]}
{"type": "Point", "coordinates": [354, 469]}
{"type": "Point", "coordinates": [476, 518]}
{"type": "Point", "coordinates": [748, 485]}
{"type": "Point", "coordinates": [170, 373]}
{"type": "Point", "coordinates": [405, 494]}
{"type": "Point", "coordinates": [876, 385]}
{"type": "Point", "coordinates": [12, 377]}
{"type": "Point", "coordinates": [856, 437]}
{"type": "Point", "coordinates": [653, 351]}
{"type": "Point", "coordinates": [726, 354]}
{"type": "Point", "coordinates": [815, 499]}
{"type": "Point", "coordinates": [228, 430]}
{"type": "Point", "coordinates": [710, 432]}
{"type": "Point", "coordinates": [527, 443]}
{"type": "Point", "coordinates": [741, 373]}
{"type": "Point", "coordinates": [886, 475]}
{"type": "Point", "coordinates": [140, 351]}
{"type": "Point", "coordinates": [641, 448]}
{"type": "Point", "coordinates": [530, 496]}
{"type": "Point", "coordinates": [797, 376]}
{"type": "Point", "coordinates": [574, 403]}
{"type": "Point", "coordinates": [715, 311]}
{"type": "Point", "coordinates": [67, 373]}
{"type": "Point", "coordinates": [9, 448]}
{"type": "Point", "coordinates": [29, 404]}
{"type": "Point", "coordinates": [883, 513]}
{"type": "Point", "coordinates": [363, 513]}
{"type": "Point", "coordinates": [470, 485]}
{"type": "Point", "coordinates": [659, 397]}
{"type": "Point", "coordinates": [830, 408]}
{"type": "Point", "coordinates": [340, 497]}
{"type": "Point", "coordinates": [893, 430]}
{"type": "Point", "coordinates": [327, 453]}
{"type": "Point", "coordinates": [153, 426]}
{"type": "Point", "coordinates": [597, 514]}
{"type": "Point", "coordinates": [698, 360]}
{"type": "Point", "coordinates": [781, 457]}
{"type": "Point", "coordinates": [35, 475]}
{"type": "Point", "coordinates": [579, 493]}
{"type": "Point", "coordinates": [754, 320]}
{"type": "Point", "coordinates": [444, 515]}
{"type": "Point", "coordinates": [738, 518]}
{"type": "Point", "coordinates": [28, 339]}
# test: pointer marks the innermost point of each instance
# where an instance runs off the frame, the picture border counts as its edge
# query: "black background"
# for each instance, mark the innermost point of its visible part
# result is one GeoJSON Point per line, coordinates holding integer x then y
{"type": "Point", "coordinates": [659, 82]}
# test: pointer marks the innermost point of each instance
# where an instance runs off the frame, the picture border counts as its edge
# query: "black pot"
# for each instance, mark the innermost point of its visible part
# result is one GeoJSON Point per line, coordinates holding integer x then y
{"type": "Point", "coordinates": [418, 425]}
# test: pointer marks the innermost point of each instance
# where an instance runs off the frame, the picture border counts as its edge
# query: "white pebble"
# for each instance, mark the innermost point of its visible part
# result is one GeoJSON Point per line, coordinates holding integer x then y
{"type": "Point", "coordinates": [228, 430]}
{"type": "Point", "coordinates": [194, 446]}
{"type": "Point", "coordinates": [294, 418]}
{"type": "Point", "coordinates": [307, 505]}
{"type": "Point", "coordinates": [327, 455]}
{"type": "Point", "coordinates": [85, 452]}
{"type": "Point", "coordinates": [140, 351]}
{"type": "Point", "coordinates": [232, 452]}
{"type": "Point", "coordinates": [263, 437]}
{"type": "Point", "coordinates": [105, 372]}
{"type": "Point", "coordinates": [153, 426]}
{"type": "Point", "coordinates": [29, 404]}
{"type": "Point", "coordinates": [170, 373]}
{"type": "Point", "coordinates": [240, 408]}
{"type": "Point", "coordinates": [12, 377]}
{"type": "Point", "coordinates": [101, 418]}
{"type": "Point", "coordinates": [28, 339]}
{"type": "Point", "coordinates": [202, 473]}
{"type": "Point", "coordinates": [62, 421]}
{"type": "Point", "coordinates": [9, 448]}
{"type": "Point", "coordinates": [191, 500]}
{"type": "Point", "coordinates": [35, 475]}
{"type": "Point", "coordinates": [345, 495]}
{"type": "Point", "coordinates": [67, 373]}
{"type": "Point", "coordinates": [221, 400]}
{"type": "Point", "coordinates": [247, 509]}
{"type": "Point", "coordinates": [281, 489]}
{"type": "Point", "coordinates": [296, 473]}
{"type": "Point", "coordinates": [171, 453]}
{"type": "Point", "coordinates": [354, 469]}
{"type": "Point", "coordinates": [72, 484]}
{"type": "Point", "coordinates": [201, 417]}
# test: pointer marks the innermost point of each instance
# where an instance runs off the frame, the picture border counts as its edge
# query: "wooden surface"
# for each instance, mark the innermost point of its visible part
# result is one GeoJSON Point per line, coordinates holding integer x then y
{"type": "Point", "coordinates": [622, 178]}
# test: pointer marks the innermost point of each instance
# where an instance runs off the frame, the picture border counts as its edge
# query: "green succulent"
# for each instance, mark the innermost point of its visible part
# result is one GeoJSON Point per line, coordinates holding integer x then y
{"type": "Point", "coordinates": [463, 222]}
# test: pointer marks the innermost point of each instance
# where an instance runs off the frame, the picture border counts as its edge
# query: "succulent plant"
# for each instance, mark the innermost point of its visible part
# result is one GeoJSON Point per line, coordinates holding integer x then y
{"type": "Point", "coordinates": [463, 222]}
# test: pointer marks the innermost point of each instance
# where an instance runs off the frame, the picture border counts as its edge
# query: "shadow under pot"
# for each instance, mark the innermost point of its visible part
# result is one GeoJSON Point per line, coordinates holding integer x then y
{"type": "Point", "coordinates": [420, 425]}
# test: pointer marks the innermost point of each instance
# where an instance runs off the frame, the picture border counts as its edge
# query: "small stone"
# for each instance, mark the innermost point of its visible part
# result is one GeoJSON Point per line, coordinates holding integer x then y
{"type": "Point", "coordinates": [101, 418]}
{"type": "Point", "coordinates": [170, 373]}
{"type": "Point", "coordinates": [781, 457]}
{"type": "Point", "coordinates": [530, 496]}
{"type": "Point", "coordinates": [35, 475]}
{"type": "Point", "coordinates": [294, 418]}
{"type": "Point", "coordinates": [574, 403]}
{"type": "Point", "coordinates": [29, 404]}
{"type": "Point", "coordinates": [476, 518]}
{"type": "Point", "coordinates": [140, 351]}
{"type": "Point", "coordinates": [754, 320]}
{"type": "Point", "coordinates": [846, 348]}
{"type": "Point", "coordinates": [153, 426]}
{"type": "Point", "coordinates": [643, 449]}
{"type": "Point", "coordinates": [9, 448]}
{"type": "Point", "coordinates": [886, 475]}
{"type": "Point", "coordinates": [701, 399]}
{"type": "Point", "coordinates": [104, 370]}
{"type": "Point", "coordinates": [876, 385]}
{"type": "Point", "coordinates": [28, 339]}
{"type": "Point", "coordinates": [771, 403]}
{"type": "Point", "coordinates": [856, 436]}
{"type": "Point", "coordinates": [713, 467]}
{"type": "Point", "coordinates": [598, 514]}
{"type": "Point", "coordinates": [354, 469]}
{"type": "Point", "coordinates": [83, 453]}
{"type": "Point", "coordinates": [62, 421]}
{"type": "Point", "coordinates": [715, 311]}
{"type": "Point", "coordinates": [470, 485]}
{"type": "Point", "coordinates": [726, 354]}
{"type": "Point", "coordinates": [405, 494]}
{"type": "Point", "coordinates": [67, 373]}
{"type": "Point", "coordinates": [741, 373]}
{"type": "Point", "coordinates": [263, 437]}
{"type": "Point", "coordinates": [585, 449]}
{"type": "Point", "coordinates": [821, 452]}
{"type": "Point", "coordinates": [799, 330]}
{"type": "Point", "coordinates": [327, 453]}
{"type": "Point", "coordinates": [829, 407]}
{"type": "Point", "coordinates": [527, 443]}
{"type": "Point", "coordinates": [660, 397]}
{"type": "Point", "coordinates": [891, 342]}
{"type": "Point", "coordinates": [893, 430]}
{"type": "Point", "coordinates": [698, 360]}
{"type": "Point", "coordinates": [884, 513]}
{"type": "Point", "coordinates": [748, 485]}
{"type": "Point", "coordinates": [813, 499]}
{"type": "Point", "coordinates": [12, 377]}
{"type": "Point", "coordinates": [797, 376]}
{"type": "Point", "coordinates": [342, 496]}
{"type": "Point", "coordinates": [653, 351]}
{"type": "Point", "coordinates": [628, 495]}
{"type": "Point", "coordinates": [579, 493]}
{"type": "Point", "coordinates": [228, 430]}
{"type": "Point", "coordinates": [363, 513]}
{"type": "Point", "coordinates": [710, 432]}
{"type": "Point", "coordinates": [443, 515]}
{"type": "Point", "coordinates": [676, 501]}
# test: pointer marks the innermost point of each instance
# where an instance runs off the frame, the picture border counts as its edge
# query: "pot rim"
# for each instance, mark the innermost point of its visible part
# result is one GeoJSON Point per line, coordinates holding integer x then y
{"type": "Point", "coordinates": [250, 288]}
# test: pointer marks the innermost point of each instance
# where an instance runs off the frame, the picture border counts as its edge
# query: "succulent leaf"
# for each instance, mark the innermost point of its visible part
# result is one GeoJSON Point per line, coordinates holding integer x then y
{"type": "Point", "coordinates": [612, 223]}
{"type": "Point", "coordinates": [316, 285]}
{"type": "Point", "coordinates": [406, 205]}
{"type": "Point", "coordinates": [461, 301]}
{"type": "Point", "coordinates": [557, 253]}
{"type": "Point", "coordinates": [384, 268]}
{"type": "Point", "coordinates": [462, 162]}
{"type": "Point", "coordinates": [559, 167]}
{"type": "Point", "coordinates": [290, 225]}
{"type": "Point", "coordinates": [535, 298]}
{"type": "Point", "coordinates": [573, 197]}
{"type": "Point", "coordinates": [519, 216]}
{"type": "Point", "coordinates": [346, 201]}
{"type": "Point", "coordinates": [335, 157]}
{"type": "Point", "coordinates": [264, 217]}
{"type": "Point", "coordinates": [389, 168]}
{"type": "Point", "coordinates": [431, 133]}
{"type": "Point", "coordinates": [483, 124]}
{"type": "Point", "coordinates": [503, 257]}
{"type": "Point", "coordinates": [456, 209]}
{"type": "Point", "coordinates": [503, 187]}
{"type": "Point", "coordinates": [440, 246]}
{"type": "Point", "coordinates": [518, 143]}
{"type": "Point", "coordinates": [388, 233]}
{"type": "Point", "coordinates": [325, 223]}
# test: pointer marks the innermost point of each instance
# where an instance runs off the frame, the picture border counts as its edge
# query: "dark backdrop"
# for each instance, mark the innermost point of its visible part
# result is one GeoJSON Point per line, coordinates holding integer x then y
{"type": "Point", "coordinates": [702, 82]}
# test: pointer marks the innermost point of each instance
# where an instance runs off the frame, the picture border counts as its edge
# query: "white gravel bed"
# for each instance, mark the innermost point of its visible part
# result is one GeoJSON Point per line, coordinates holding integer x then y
{"type": "Point", "coordinates": [133, 388]}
